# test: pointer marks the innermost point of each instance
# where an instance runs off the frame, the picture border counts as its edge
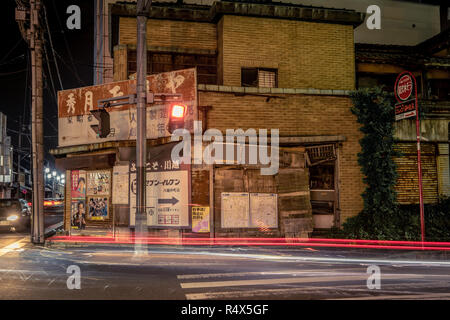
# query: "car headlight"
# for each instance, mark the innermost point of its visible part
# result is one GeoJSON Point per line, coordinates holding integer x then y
{"type": "Point", "coordinates": [12, 218]}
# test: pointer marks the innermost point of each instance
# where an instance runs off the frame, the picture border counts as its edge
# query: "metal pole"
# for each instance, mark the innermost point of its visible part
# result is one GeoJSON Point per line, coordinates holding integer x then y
{"type": "Point", "coordinates": [143, 7]}
{"type": "Point", "coordinates": [419, 168]}
{"type": "Point", "coordinates": [36, 125]}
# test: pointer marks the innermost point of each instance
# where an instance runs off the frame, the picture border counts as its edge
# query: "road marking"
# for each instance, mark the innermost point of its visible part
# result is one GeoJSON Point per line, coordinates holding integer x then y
{"type": "Point", "coordinates": [256, 282]}
{"type": "Point", "coordinates": [263, 273]}
{"type": "Point", "coordinates": [362, 261]}
{"type": "Point", "coordinates": [427, 296]}
{"type": "Point", "coordinates": [13, 246]}
{"type": "Point", "coordinates": [265, 292]}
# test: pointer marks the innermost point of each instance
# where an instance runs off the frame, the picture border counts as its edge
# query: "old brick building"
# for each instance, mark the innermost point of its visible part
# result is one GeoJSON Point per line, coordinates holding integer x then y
{"type": "Point", "coordinates": [429, 61]}
{"type": "Point", "coordinates": [262, 66]}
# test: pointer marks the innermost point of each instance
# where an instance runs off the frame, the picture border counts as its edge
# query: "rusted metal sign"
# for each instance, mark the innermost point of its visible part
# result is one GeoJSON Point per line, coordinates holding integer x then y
{"type": "Point", "coordinates": [75, 118]}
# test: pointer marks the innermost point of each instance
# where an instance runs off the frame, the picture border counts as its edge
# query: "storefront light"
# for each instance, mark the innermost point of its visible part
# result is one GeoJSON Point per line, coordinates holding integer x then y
{"type": "Point", "coordinates": [12, 218]}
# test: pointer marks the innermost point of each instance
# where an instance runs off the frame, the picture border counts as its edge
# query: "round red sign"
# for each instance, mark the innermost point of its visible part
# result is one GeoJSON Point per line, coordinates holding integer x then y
{"type": "Point", "coordinates": [404, 87]}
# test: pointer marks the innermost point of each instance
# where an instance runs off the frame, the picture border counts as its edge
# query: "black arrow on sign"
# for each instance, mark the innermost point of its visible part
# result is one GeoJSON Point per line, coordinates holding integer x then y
{"type": "Point", "coordinates": [172, 201]}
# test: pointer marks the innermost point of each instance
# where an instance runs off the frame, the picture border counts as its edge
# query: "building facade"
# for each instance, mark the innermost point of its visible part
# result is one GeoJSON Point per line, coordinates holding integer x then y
{"type": "Point", "coordinates": [278, 67]}
{"type": "Point", "coordinates": [429, 61]}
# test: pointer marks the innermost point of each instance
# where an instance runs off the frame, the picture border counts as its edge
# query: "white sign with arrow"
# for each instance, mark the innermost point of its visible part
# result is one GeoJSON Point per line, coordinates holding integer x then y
{"type": "Point", "coordinates": [167, 198]}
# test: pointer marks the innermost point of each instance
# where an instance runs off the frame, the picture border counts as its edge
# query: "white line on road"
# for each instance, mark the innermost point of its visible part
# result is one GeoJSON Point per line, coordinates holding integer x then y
{"type": "Point", "coordinates": [289, 291]}
{"type": "Point", "coordinates": [263, 273]}
{"type": "Point", "coordinates": [426, 296]}
{"type": "Point", "coordinates": [13, 246]}
{"type": "Point", "coordinates": [363, 261]}
{"type": "Point", "coordinates": [255, 282]}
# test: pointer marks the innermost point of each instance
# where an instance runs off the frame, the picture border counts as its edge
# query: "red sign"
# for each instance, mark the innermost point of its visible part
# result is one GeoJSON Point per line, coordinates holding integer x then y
{"type": "Point", "coordinates": [404, 87]}
{"type": "Point", "coordinates": [406, 95]}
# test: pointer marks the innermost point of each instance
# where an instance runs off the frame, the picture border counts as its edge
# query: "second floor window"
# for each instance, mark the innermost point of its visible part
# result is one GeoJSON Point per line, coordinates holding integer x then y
{"type": "Point", "coordinates": [259, 77]}
{"type": "Point", "coordinates": [158, 62]}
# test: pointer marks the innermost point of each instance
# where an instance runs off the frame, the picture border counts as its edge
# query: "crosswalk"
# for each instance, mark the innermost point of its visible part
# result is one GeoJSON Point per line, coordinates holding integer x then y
{"type": "Point", "coordinates": [298, 284]}
{"type": "Point", "coordinates": [14, 247]}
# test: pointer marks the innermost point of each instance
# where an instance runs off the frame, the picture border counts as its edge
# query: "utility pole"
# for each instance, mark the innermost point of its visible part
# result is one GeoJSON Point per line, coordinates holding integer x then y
{"type": "Point", "coordinates": [32, 33]}
{"type": "Point", "coordinates": [143, 9]}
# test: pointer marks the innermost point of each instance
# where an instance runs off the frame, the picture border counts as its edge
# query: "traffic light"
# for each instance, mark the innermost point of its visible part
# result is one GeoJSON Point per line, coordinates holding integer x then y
{"type": "Point", "coordinates": [177, 114]}
{"type": "Point", "coordinates": [102, 129]}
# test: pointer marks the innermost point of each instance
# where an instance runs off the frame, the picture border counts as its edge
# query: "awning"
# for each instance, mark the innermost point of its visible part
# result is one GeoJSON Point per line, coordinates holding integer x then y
{"type": "Point", "coordinates": [86, 161]}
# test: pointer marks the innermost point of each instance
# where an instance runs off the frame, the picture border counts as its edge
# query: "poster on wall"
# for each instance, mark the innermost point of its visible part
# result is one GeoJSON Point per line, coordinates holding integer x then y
{"type": "Point", "coordinates": [200, 219]}
{"type": "Point", "coordinates": [78, 214]}
{"type": "Point", "coordinates": [98, 182]}
{"type": "Point", "coordinates": [235, 210]}
{"type": "Point", "coordinates": [120, 185]}
{"type": "Point", "coordinates": [78, 184]}
{"type": "Point", "coordinates": [98, 208]}
{"type": "Point", "coordinates": [263, 210]}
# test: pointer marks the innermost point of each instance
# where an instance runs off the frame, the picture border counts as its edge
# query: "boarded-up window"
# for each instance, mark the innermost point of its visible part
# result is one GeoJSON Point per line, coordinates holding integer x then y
{"type": "Point", "coordinates": [407, 182]}
{"type": "Point", "coordinates": [158, 62]}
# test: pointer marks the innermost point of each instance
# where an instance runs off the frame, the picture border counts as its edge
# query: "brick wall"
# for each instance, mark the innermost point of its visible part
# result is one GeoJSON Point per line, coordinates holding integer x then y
{"type": "Point", "coordinates": [168, 33]}
{"type": "Point", "coordinates": [306, 54]}
{"type": "Point", "coordinates": [297, 115]}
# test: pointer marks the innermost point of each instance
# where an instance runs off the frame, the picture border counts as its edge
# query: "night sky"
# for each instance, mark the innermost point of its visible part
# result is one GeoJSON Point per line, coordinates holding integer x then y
{"type": "Point", "coordinates": [75, 62]}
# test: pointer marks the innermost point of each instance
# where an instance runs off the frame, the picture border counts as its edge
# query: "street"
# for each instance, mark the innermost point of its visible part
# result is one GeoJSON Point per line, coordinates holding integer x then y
{"type": "Point", "coordinates": [193, 273]}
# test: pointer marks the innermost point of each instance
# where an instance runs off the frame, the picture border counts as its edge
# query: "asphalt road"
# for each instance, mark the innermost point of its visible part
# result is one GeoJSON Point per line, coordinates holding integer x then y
{"type": "Point", "coordinates": [178, 273]}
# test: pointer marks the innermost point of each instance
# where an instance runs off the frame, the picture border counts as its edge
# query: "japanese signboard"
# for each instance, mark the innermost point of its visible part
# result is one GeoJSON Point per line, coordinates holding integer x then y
{"type": "Point", "coordinates": [249, 210]}
{"type": "Point", "coordinates": [263, 210]}
{"type": "Point", "coordinates": [235, 210]}
{"type": "Point", "coordinates": [167, 190]}
{"type": "Point", "coordinates": [75, 118]}
{"type": "Point", "coordinates": [200, 219]}
{"type": "Point", "coordinates": [120, 185]}
{"type": "Point", "coordinates": [405, 93]}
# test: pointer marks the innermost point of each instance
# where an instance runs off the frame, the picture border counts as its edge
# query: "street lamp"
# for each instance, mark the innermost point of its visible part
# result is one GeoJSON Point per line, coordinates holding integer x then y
{"type": "Point", "coordinates": [49, 176]}
{"type": "Point", "coordinates": [47, 170]}
{"type": "Point", "coordinates": [58, 178]}
{"type": "Point", "coordinates": [54, 173]}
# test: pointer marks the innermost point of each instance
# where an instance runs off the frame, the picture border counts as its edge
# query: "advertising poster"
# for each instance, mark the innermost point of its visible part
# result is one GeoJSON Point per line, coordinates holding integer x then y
{"type": "Point", "coordinates": [78, 214]}
{"type": "Point", "coordinates": [200, 219]}
{"type": "Point", "coordinates": [98, 207]}
{"type": "Point", "coordinates": [78, 184]}
{"type": "Point", "coordinates": [98, 182]}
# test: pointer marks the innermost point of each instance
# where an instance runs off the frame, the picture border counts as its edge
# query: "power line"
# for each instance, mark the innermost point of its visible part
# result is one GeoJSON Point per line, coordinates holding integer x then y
{"type": "Point", "coordinates": [70, 69]}
{"type": "Point", "coordinates": [66, 43]}
{"type": "Point", "coordinates": [51, 46]}
{"type": "Point", "coordinates": [11, 50]}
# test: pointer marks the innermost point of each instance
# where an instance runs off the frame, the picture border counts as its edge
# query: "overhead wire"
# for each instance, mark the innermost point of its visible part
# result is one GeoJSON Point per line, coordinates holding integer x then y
{"type": "Point", "coordinates": [51, 46]}
{"type": "Point", "coordinates": [67, 45]}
